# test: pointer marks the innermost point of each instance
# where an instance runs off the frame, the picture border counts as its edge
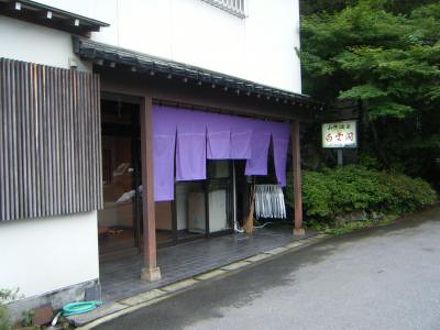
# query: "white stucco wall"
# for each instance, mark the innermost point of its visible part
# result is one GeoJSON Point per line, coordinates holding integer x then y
{"type": "Point", "coordinates": [260, 47]}
{"type": "Point", "coordinates": [37, 44]}
{"type": "Point", "coordinates": [42, 255]}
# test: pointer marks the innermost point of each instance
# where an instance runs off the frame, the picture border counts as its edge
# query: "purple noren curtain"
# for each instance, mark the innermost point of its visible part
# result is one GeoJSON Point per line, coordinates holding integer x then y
{"type": "Point", "coordinates": [257, 164]}
{"type": "Point", "coordinates": [280, 140]}
{"type": "Point", "coordinates": [280, 146]}
{"type": "Point", "coordinates": [241, 141]}
{"type": "Point", "coordinates": [191, 146]}
{"type": "Point", "coordinates": [218, 138]}
{"type": "Point", "coordinates": [164, 139]}
{"type": "Point", "coordinates": [190, 137]}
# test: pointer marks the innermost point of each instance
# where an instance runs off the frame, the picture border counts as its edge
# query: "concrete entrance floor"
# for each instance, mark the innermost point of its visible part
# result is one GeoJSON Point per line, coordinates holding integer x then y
{"type": "Point", "coordinates": [121, 278]}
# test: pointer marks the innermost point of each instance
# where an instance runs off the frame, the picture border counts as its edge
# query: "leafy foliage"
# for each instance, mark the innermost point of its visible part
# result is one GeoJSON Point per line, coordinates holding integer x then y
{"type": "Point", "coordinates": [397, 6]}
{"type": "Point", "coordinates": [363, 92]}
{"type": "Point", "coordinates": [390, 58]}
{"type": "Point", "coordinates": [332, 192]}
{"type": "Point", "coordinates": [5, 323]}
{"type": "Point", "coordinates": [350, 226]}
{"type": "Point", "coordinates": [385, 56]}
{"type": "Point", "coordinates": [6, 296]}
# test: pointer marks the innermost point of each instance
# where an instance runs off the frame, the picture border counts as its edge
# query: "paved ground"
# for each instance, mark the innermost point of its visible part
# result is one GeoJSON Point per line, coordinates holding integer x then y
{"type": "Point", "coordinates": [385, 278]}
{"type": "Point", "coordinates": [121, 278]}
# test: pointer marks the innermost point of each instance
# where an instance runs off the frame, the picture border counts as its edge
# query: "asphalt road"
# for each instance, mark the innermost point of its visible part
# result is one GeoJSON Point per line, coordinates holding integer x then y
{"type": "Point", "coordinates": [382, 278]}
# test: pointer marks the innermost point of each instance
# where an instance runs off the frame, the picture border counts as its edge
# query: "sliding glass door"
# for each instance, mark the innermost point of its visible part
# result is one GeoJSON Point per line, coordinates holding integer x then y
{"type": "Point", "coordinates": [119, 220]}
{"type": "Point", "coordinates": [219, 192]}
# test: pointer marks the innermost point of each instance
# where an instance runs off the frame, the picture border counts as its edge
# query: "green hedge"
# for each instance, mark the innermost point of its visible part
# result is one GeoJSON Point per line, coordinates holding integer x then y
{"type": "Point", "coordinates": [332, 192]}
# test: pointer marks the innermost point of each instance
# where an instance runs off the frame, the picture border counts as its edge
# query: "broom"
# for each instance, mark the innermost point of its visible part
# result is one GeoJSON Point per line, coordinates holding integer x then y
{"type": "Point", "coordinates": [248, 223]}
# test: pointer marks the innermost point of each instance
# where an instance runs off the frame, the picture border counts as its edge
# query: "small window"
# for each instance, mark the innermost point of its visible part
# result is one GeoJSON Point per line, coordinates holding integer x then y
{"type": "Point", "coordinates": [234, 7]}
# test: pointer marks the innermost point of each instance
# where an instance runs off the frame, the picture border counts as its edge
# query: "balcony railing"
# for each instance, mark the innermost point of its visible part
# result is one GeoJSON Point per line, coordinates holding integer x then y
{"type": "Point", "coordinates": [234, 7]}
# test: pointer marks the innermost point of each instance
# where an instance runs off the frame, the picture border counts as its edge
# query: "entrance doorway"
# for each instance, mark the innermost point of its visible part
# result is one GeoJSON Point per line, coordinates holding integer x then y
{"type": "Point", "coordinates": [119, 223]}
{"type": "Point", "coordinates": [205, 208]}
{"type": "Point", "coordinates": [199, 209]}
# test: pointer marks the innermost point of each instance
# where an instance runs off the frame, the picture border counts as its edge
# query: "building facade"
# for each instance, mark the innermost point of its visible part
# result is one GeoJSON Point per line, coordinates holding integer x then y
{"type": "Point", "coordinates": [139, 132]}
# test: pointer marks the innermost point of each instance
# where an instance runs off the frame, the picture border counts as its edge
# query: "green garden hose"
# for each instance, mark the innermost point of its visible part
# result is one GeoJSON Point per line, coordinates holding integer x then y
{"type": "Point", "coordinates": [80, 307]}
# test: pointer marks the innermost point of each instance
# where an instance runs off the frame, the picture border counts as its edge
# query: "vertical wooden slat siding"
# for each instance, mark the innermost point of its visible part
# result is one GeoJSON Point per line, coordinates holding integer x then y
{"type": "Point", "coordinates": [25, 137]}
{"type": "Point", "coordinates": [63, 106]}
{"type": "Point", "coordinates": [68, 161]}
{"type": "Point", "coordinates": [43, 142]}
{"type": "Point", "coordinates": [30, 130]}
{"type": "Point", "coordinates": [34, 135]}
{"type": "Point", "coordinates": [2, 152]}
{"type": "Point", "coordinates": [19, 113]}
{"type": "Point", "coordinates": [36, 138]}
{"type": "Point", "coordinates": [86, 170]}
{"type": "Point", "coordinates": [50, 141]}
{"type": "Point", "coordinates": [98, 156]}
{"type": "Point", "coordinates": [65, 156]}
{"type": "Point", "coordinates": [58, 183]}
{"type": "Point", "coordinates": [11, 141]}
{"type": "Point", "coordinates": [39, 141]}
{"type": "Point", "coordinates": [71, 142]}
{"type": "Point", "coordinates": [74, 118]}
{"type": "Point", "coordinates": [80, 116]}
{"type": "Point", "coordinates": [2, 202]}
{"type": "Point", "coordinates": [7, 142]}
{"type": "Point", "coordinates": [84, 165]}
{"type": "Point", "coordinates": [89, 132]}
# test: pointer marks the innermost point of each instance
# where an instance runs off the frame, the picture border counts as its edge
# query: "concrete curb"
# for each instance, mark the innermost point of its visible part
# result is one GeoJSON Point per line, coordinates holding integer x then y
{"type": "Point", "coordinates": [134, 303]}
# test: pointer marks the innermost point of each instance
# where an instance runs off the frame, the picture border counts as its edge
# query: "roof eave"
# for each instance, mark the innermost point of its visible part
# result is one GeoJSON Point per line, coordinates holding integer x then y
{"type": "Point", "coordinates": [107, 54]}
{"type": "Point", "coordinates": [49, 16]}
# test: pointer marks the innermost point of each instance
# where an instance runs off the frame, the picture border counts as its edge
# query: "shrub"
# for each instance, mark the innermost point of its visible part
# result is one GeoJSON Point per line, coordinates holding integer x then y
{"type": "Point", "coordinates": [5, 323]}
{"type": "Point", "coordinates": [332, 192]}
{"type": "Point", "coordinates": [407, 194]}
{"type": "Point", "coordinates": [5, 297]}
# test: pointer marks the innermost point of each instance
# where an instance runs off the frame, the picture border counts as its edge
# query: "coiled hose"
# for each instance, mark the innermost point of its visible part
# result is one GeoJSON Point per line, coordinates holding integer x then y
{"type": "Point", "coordinates": [80, 307]}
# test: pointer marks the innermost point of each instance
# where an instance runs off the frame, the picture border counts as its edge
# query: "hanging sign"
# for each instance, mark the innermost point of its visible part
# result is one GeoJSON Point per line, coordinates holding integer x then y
{"type": "Point", "coordinates": [339, 134]}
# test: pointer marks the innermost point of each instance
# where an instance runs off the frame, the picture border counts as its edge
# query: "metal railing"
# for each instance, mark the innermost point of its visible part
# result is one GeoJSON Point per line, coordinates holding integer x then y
{"type": "Point", "coordinates": [234, 7]}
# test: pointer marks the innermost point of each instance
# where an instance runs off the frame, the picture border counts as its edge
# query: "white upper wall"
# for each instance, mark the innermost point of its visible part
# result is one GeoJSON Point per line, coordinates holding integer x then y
{"type": "Point", "coordinates": [260, 47]}
{"type": "Point", "coordinates": [28, 42]}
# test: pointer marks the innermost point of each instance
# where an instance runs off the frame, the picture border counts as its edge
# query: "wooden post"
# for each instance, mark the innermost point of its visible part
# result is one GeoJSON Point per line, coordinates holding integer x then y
{"type": "Point", "coordinates": [340, 159]}
{"type": "Point", "coordinates": [150, 272]}
{"type": "Point", "coordinates": [296, 162]}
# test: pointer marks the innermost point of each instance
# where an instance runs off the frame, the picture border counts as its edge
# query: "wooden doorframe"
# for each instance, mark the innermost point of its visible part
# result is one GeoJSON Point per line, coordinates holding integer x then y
{"type": "Point", "coordinates": [118, 130]}
{"type": "Point", "coordinates": [297, 184]}
{"type": "Point", "coordinates": [151, 271]}
{"type": "Point", "coordinates": [148, 246]}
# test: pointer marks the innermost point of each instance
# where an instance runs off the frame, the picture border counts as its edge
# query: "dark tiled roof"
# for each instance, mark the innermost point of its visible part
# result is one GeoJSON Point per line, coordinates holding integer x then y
{"type": "Point", "coordinates": [52, 17]}
{"type": "Point", "coordinates": [110, 55]}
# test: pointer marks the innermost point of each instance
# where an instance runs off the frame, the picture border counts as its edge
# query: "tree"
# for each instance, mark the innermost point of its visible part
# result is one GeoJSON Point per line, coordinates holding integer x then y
{"type": "Point", "coordinates": [308, 7]}
{"type": "Point", "coordinates": [386, 56]}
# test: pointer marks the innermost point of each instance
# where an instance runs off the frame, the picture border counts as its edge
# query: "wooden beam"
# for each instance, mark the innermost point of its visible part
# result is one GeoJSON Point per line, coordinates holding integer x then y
{"type": "Point", "coordinates": [203, 98]}
{"type": "Point", "coordinates": [296, 162]}
{"type": "Point", "coordinates": [150, 272]}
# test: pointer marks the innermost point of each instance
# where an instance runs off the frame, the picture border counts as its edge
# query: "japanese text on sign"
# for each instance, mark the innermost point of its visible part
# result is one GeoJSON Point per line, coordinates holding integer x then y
{"type": "Point", "coordinates": [339, 135]}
